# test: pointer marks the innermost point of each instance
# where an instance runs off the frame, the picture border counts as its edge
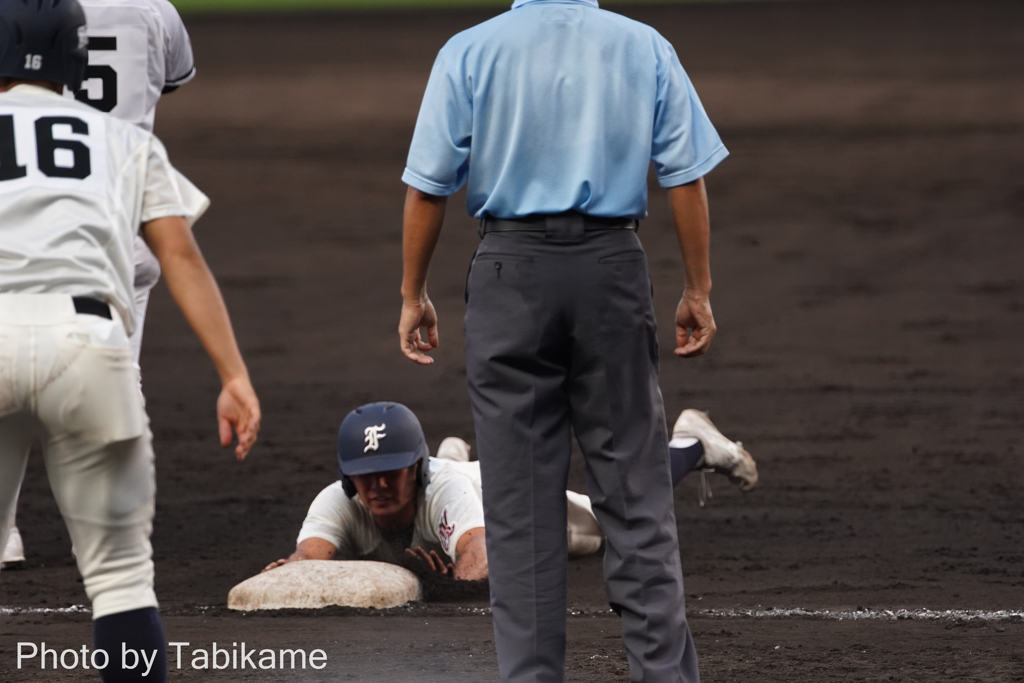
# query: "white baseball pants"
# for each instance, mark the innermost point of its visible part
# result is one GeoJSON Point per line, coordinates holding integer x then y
{"type": "Point", "coordinates": [68, 381]}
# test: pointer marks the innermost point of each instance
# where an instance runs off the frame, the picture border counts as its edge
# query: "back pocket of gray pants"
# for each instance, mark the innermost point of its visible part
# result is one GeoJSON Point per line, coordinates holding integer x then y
{"type": "Point", "coordinates": [624, 257]}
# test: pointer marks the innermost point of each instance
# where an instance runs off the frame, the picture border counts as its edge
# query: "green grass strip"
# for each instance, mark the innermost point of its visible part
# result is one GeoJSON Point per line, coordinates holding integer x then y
{"type": "Point", "coordinates": [191, 6]}
{"type": "Point", "coordinates": [227, 6]}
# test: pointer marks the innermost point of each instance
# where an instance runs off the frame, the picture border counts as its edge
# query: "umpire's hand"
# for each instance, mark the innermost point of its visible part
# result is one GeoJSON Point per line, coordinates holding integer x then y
{"type": "Point", "coordinates": [414, 316]}
{"type": "Point", "coordinates": [695, 326]}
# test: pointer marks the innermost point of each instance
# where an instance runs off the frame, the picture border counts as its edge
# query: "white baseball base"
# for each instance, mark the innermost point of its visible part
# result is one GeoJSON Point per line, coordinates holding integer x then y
{"type": "Point", "coordinates": [312, 584]}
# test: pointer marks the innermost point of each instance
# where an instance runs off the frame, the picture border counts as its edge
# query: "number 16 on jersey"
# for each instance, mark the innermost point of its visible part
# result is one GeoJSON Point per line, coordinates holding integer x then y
{"type": "Point", "coordinates": [49, 149]}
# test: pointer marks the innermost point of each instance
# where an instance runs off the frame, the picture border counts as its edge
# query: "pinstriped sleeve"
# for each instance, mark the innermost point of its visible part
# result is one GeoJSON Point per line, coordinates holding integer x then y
{"type": "Point", "coordinates": [438, 162]}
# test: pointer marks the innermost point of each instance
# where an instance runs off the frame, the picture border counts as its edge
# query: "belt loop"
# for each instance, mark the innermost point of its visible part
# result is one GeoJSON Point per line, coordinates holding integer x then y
{"type": "Point", "coordinates": [577, 225]}
{"type": "Point", "coordinates": [567, 228]}
{"type": "Point", "coordinates": [481, 229]}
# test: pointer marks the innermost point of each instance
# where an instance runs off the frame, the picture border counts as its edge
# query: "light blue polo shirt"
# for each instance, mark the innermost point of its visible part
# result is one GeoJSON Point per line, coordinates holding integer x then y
{"type": "Point", "coordinates": [557, 105]}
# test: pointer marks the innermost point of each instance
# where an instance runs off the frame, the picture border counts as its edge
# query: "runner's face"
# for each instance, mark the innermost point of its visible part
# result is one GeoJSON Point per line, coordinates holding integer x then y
{"type": "Point", "coordinates": [387, 493]}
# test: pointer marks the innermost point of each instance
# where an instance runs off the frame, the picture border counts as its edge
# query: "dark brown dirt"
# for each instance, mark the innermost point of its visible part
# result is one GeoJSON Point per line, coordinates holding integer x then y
{"type": "Point", "coordinates": [870, 300]}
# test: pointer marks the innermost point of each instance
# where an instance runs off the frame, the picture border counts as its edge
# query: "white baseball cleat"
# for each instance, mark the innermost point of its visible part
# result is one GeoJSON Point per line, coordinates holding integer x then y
{"type": "Point", "coordinates": [723, 456]}
{"type": "Point", "coordinates": [453, 448]}
{"type": "Point", "coordinates": [14, 552]}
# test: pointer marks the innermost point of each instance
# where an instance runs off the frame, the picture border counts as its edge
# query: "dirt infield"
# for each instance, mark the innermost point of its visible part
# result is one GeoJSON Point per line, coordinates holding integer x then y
{"type": "Point", "coordinates": [867, 251]}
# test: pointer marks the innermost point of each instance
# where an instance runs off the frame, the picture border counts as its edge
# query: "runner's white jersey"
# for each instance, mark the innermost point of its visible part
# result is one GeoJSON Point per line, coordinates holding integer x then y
{"type": "Point", "coordinates": [137, 49]}
{"type": "Point", "coordinates": [450, 506]}
{"type": "Point", "coordinates": [75, 185]}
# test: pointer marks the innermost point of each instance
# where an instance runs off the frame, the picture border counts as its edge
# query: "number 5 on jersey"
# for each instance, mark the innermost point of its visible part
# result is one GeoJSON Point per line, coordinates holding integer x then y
{"type": "Point", "coordinates": [106, 75]}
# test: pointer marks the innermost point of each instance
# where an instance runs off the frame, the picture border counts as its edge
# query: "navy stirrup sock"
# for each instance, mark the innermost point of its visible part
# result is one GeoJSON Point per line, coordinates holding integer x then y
{"type": "Point", "coordinates": [684, 456]}
{"type": "Point", "coordinates": [130, 640]}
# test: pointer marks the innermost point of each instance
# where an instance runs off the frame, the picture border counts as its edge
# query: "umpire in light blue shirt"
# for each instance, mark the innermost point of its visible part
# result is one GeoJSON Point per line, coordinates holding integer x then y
{"type": "Point", "coordinates": [553, 112]}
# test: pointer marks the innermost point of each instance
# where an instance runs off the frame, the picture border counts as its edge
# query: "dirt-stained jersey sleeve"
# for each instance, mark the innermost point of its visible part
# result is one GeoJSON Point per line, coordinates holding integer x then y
{"type": "Point", "coordinates": [180, 65]}
{"type": "Point", "coordinates": [454, 508]}
{"type": "Point", "coordinates": [330, 518]}
{"type": "Point", "coordinates": [168, 192]}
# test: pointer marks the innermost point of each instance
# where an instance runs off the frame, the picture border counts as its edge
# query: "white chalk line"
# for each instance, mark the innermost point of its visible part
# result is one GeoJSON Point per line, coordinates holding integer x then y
{"type": "Point", "coordinates": [861, 614]}
{"type": "Point", "coordinates": [74, 609]}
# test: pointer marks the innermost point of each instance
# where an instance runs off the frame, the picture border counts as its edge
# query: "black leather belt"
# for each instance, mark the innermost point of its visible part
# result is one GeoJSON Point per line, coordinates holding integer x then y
{"type": "Point", "coordinates": [568, 222]}
{"type": "Point", "coordinates": [90, 306]}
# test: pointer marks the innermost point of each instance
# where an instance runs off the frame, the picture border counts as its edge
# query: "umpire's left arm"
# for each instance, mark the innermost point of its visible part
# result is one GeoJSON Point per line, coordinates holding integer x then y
{"type": "Point", "coordinates": [424, 215]}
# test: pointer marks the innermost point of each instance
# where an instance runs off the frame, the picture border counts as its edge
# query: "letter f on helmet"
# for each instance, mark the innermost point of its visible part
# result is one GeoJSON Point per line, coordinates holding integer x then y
{"type": "Point", "coordinates": [373, 436]}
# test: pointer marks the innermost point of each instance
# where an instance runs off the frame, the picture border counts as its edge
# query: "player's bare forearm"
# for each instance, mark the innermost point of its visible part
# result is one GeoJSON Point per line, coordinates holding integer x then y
{"type": "Point", "coordinates": [695, 323]}
{"type": "Point", "coordinates": [309, 549]}
{"type": "Point", "coordinates": [472, 552]}
{"type": "Point", "coordinates": [196, 292]}
{"type": "Point", "coordinates": [421, 227]}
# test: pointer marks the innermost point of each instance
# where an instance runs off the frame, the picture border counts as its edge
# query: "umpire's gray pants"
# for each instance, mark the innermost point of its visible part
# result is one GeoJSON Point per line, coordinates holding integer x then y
{"type": "Point", "coordinates": [560, 338]}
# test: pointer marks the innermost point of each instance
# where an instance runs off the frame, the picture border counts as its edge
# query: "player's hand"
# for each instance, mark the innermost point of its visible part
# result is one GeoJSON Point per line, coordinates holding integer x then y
{"type": "Point", "coordinates": [238, 409]}
{"type": "Point", "coordinates": [276, 564]}
{"type": "Point", "coordinates": [432, 560]}
{"type": "Point", "coordinates": [695, 325]}
{"type": "Point", "coordinates": [414, 316]}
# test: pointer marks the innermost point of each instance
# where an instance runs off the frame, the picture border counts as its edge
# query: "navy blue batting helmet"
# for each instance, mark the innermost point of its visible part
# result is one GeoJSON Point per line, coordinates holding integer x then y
{"type": "Point", "coordinates": [380, 437]}
{"type": "Point", "coordinates": [43, 40]}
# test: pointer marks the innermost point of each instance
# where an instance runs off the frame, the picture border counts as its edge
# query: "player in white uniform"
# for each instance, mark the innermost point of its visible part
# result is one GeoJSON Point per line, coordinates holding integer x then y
{"type": "Point", "coordinates": [392, 497]}
{"type": "Point", "coordinates": [339, 527]}
{"type": "Point", "coordinates": [138, 50]}
{"type": "Point", "coordinates": [75, 187]}
{"type": "Point", "coordinates": [345, 522]}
